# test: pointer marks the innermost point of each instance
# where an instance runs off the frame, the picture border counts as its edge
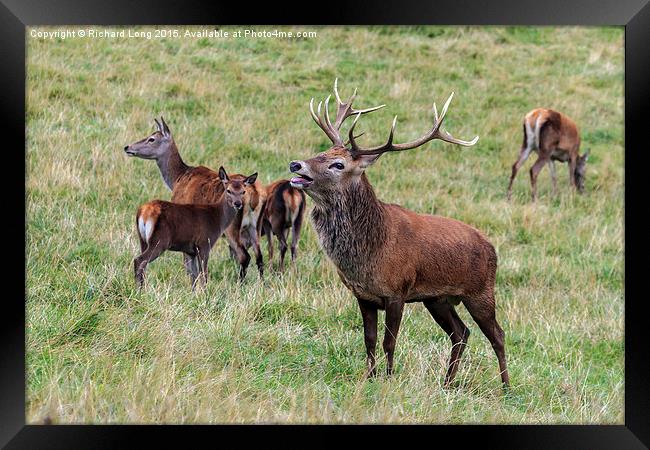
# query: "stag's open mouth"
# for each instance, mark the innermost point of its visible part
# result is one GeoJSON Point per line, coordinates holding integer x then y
{"type": "Point", "coordinates": [301, 181]}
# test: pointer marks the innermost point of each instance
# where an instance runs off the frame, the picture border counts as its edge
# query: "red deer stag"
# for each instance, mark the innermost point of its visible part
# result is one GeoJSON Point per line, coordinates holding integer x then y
{"type": "Point", "coordinates": [285, 208]}
{"type": "Point", "coordinates": [191, 229]}
{"type": "Point", "coordinates": [387, 255]}
{"type": "Point", "coordinates": [554, 137]}
{"type": "Point", "coordinates": [189, 185]}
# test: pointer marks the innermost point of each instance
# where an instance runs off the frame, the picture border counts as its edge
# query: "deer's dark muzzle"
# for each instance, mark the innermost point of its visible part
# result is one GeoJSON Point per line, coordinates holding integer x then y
{"type": "Point", "coordinates": [294, 166]}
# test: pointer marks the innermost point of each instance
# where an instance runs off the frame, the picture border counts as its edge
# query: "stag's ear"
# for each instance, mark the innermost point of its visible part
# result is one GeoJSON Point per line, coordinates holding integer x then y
{"type": "Point", "coordinates": [586, 155]}
{"type": "Point", "coordinates": [165, 129]}
{"type": "Point", "coordinates": [251, 179]}
{"type": "Point", "coordinates": [160, 128]}
{"type": "Point", "coordinates": [366, 161]}
{"type": "Point", "coordinates": [223, 175]}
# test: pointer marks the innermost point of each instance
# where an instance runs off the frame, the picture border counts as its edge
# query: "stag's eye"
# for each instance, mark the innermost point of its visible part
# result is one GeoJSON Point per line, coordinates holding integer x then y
{"type": "Point", "coordinates": [150, 139]}
{"type": "Point", "coordinates": [337, 166]}
{"type": "Point", "coordinates": [229, 191]}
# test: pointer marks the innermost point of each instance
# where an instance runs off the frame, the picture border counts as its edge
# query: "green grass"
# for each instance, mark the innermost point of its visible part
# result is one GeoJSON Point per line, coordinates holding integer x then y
{"type": "Point", "coordinates": [291, 349]}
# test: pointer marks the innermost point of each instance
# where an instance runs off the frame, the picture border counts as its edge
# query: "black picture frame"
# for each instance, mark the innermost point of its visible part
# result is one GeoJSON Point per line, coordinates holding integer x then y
{"type": "Point", "coordinates": [634, 15]}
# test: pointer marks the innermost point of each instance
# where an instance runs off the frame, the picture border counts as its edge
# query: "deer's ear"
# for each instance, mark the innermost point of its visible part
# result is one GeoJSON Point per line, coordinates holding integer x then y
{"type": "Point", "coordinates": [160, 128]}
{"type": "Point", "coordinates": [251, 179]}
{"type": "Point", "coordinates": [366, 161]}
{"type": "Point", "coordinates": [165, 129]}
{"type": "Point", "coordinates": [586, 155]}
{"type": "Point", "coordinates": [223, 175]}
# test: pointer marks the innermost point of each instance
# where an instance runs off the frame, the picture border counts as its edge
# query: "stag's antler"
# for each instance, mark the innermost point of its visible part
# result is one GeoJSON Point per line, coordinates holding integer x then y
{"type": "Point", "coordinates": [344, 110]}
{"type": "Point", "coordinates": [435, 133]}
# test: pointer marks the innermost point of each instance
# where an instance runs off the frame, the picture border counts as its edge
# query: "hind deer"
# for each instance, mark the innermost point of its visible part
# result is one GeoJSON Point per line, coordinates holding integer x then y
{"type": "Point", "coordinates": [285, 208]}
{"type": "Point", "coordinates": [189, 185]}
{"type": "Point", "coordinates": [191, 229]}
{"type": "Point", "coordinates": [554, 137]}
{"type": "Point", "coordinates": [387, 255]}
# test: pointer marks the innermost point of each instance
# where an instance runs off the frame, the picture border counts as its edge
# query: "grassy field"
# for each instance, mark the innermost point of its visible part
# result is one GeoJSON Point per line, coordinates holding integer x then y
{"type": "Point", "coordinates": [291, 350]}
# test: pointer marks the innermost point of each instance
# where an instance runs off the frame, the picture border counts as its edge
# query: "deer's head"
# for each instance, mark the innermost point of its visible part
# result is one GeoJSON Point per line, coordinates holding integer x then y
{"type": "Point", "coordinates": [581, 169]}
{"type": "Point", "coordinates": [343, 164]}
{"type": "Point", "coordinates": [235, 187]}
{"type": "Point", "coordinates": [154, 146]}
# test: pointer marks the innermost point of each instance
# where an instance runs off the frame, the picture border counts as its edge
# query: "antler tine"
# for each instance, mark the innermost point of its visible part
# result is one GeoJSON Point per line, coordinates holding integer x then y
{"type": "Point", "coordinates": [344, 110]}
{"type": "Point", "coordinates": [358, 135]}
{"type": "Point", "coordinates": [356, 150]}
{"type": "Point", "coordinates": [311, 110]}
{"type": "Point", "coordinates": [435, 133]}
{"type": "Point", "coordinates": [327, 111]}
{"type": "Point", "coordinates": [336, 90]}
{"type": "Point", "coordinates": [334, 136]}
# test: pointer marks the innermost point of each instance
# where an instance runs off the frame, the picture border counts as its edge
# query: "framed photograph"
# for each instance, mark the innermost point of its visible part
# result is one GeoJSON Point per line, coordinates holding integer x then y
{"type": "Point", "coordinates": [413, 215]}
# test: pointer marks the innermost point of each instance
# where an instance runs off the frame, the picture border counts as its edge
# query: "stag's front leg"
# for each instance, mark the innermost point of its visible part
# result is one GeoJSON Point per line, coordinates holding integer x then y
{"type": "Point", "coordinates": [369, 316]}
{"type": "Point", "coordinates": [394, 311]}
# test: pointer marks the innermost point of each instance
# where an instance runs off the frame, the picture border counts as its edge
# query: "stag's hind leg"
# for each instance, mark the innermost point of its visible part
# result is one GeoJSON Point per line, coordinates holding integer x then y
{"type": "Point", "coordinates": [482, 310]}
{"type": "Point", "coordinates": [445, 315]}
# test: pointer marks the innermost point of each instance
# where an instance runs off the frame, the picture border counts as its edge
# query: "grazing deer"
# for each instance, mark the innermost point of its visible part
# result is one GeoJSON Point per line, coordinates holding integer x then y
{"type": "Point", "coordinates": [252, 216]}
{"type": "Point", "coordinates": [191, 229]}
{"type": "Point", "coordinates": [285, 208]}
{"type": "Point", "coordinates": [554, 137]}
{"type": "Point", "coordinates": [189, 185]}
{"type": "Point", "coordinates": [387, 255]}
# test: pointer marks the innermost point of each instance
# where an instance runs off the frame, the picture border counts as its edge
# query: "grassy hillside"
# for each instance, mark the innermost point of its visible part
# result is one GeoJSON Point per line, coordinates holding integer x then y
{"type": "Point", "coordinates": [291, 349]}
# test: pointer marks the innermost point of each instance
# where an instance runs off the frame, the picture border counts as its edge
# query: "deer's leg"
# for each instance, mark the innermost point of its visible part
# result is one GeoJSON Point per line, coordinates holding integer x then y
{"type": "Point", "coordinates": [534, 172]}
{"type": "Point", "coordinates": [572, 172]}
{"type": "Point", "coordinates": [193, 267]}
{"type": "Point", "coordinates": [202, 257]}
{"type": "Point", "coordinates": [482, 311]}
{"type": "Point", "coordinates": [551, 166]}
{"type": "Point", "coordinates": [282, 234]}
{"type": "Point", "coordinates": [236, 247]}
{"type": "Point", "coordinates": [140, 262]}
{"type": "Point", "coordinates": [445, 315]}
{"type": "Point", "coordinates": [187, 262]}
{"type": "Point", "coordinates": [143, 244]}
{"type": "Point", "coordinates": [524, 153]}
{"type": "Point", "coordinates": [369, 316]}
{"type": "Point", "coordinates": [259, 258]}
{"type": "Point", "coordinates": [266, 228]}
{"type": "Point", "coordinates": [295, 235]}
{"type": "Point", "coordinates": [394, 311]}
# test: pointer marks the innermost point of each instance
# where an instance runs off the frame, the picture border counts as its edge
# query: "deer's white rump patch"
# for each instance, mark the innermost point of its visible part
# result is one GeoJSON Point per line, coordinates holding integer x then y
{"type": "Point", "coordinates": [145, 228]}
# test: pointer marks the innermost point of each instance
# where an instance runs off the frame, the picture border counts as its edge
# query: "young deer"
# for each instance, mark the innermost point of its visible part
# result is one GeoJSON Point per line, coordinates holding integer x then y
{"type": "Point", "coordinates": [285, 208]}
{"type": "Point", "coordinates": [387, 255]}
{"type": "Point", "coordinates": [554, 137]}
{"type": "Point", "coordinates": [252, 216]}
{"type": "Point", "coordinates": [189, 185]}
{"type": "Point", "coordinates": [191, 229]}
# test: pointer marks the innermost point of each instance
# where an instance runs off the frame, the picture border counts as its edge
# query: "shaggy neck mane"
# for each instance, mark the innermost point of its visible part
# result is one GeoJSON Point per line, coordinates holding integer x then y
{"type": "Point", "coordinates": [351, 226]}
